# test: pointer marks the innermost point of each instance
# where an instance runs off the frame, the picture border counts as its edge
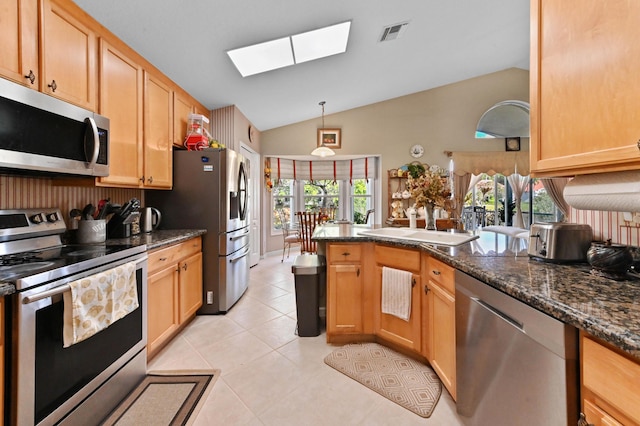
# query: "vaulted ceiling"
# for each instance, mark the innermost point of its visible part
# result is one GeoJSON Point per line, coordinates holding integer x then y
{"type": "Point", "coordinates": [445, 42]}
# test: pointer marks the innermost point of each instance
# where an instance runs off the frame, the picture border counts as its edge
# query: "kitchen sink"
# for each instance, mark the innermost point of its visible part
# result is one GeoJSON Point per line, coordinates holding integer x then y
{"type": "Point", "coordinates": [422, 235]}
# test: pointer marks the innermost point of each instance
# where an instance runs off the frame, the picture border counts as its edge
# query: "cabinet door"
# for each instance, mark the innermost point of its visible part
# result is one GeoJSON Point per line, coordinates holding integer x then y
{"type": "Point", "coordinates": [158, 133]}
{"type": "Point", "coordinates": [19, 41]}
{"type": "Point", "coordinates": [181, 109]}
{"type": "Point", "coordinates": [162, 307]}
{"type": "Point", "coordinates": [612, 378]}
{"type": "Point", "coordinates": [443, 351]}
{"type": "Point", "coordinates": [190, 286]}
{"type": "Point", "coordinates": [121, 101]}
{"type": "Point", "coordinates": [597, 417]}
{"type": "Point", "coordinates": [585, 94]}
{"type": "Point", "coordinates": [344, 315]}
{"type": "Point", "coordinates": [390, 327]}
{"type": "Point", "coordinates": [397, 330]}
{"type": "Point", "coordinates": [426, 299]}
{"type": "Point", "coordinates": [68, 57]}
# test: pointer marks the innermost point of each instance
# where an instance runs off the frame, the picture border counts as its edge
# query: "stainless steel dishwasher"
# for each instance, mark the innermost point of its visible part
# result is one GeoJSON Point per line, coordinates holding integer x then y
{"type": "Point", "coordinates": [515, 365]}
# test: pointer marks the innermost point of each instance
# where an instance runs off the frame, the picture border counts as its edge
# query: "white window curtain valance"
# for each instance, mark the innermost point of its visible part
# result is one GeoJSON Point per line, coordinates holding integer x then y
{"type": "Point", "coordinates": [357, 168]}
{"type": "Point", "coordinates": [491, 162]}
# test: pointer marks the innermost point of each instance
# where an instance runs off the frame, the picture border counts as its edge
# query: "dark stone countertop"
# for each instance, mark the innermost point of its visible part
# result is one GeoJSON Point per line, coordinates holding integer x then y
{"type": "Point", "coordinates": [153, 240]}
{"type": "Point", "coordinates": [604, 308]}
{"type": "Point", "coordinates": [160, 238]}
{"type": "Point", "coordinates": [6, 289]}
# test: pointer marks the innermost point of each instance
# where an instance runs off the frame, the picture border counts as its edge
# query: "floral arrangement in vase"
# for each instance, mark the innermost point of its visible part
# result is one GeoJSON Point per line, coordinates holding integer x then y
{"type": "Point", "coordinates": [429, 189]}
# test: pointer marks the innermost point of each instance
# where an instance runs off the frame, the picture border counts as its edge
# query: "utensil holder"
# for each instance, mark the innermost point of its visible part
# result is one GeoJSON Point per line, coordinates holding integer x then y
{"type": "Point", "coordinates": [91, 231]}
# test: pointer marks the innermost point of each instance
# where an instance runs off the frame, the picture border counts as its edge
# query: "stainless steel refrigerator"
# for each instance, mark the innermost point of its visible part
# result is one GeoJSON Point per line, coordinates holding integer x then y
{"type": "Point", "coordinates": [210, 190]}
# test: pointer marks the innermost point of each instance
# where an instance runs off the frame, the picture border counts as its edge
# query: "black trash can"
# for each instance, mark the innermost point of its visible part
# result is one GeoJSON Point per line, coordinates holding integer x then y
{"type": "Point", "coordinates": [309, 271]}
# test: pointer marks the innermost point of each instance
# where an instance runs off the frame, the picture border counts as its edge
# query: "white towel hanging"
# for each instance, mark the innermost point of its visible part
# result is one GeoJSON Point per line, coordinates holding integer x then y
{"type": "Point", "coordinates": [396, 292]}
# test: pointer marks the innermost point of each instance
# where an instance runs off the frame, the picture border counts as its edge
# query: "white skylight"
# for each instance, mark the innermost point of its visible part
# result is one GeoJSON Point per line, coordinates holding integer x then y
{"type": "Point", "coordinates": [286, 51]}
{"type": "Point", "coordinates": [262, 57]}
{"type": "Point", "coordinates": [321, 43]}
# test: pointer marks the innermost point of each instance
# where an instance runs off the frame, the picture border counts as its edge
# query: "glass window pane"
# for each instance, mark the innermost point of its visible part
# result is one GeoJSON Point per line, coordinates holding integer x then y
{"type": "Point", "coordinates": [361, 200]}
{"type": "Point", "coordinates": [283, 200]}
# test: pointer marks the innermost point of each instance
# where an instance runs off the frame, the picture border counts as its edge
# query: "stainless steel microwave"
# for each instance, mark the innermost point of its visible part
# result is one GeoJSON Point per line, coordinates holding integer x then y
{"type": "Point", "coordinates": [39, 133]}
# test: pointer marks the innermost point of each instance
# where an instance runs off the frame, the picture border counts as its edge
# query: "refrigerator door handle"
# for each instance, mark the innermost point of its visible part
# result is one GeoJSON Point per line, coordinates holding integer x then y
{"type": "Point", "coordinates": [239, 236]}
{"type": "Point", "coordinates": [245, 253]}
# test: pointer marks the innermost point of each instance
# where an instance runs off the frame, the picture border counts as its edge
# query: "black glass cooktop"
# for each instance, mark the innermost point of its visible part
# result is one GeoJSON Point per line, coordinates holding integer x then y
{"type": "Point", "coordinates": [55, 262]}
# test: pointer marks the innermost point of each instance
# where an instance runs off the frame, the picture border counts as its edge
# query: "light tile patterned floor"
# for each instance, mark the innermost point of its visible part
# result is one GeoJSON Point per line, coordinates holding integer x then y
{"type": "Point", "coordinates": [270, 376]}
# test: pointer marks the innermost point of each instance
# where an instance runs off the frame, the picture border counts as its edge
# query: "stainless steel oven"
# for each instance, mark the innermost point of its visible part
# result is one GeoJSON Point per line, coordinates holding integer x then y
{"type": "Point", "coordinates": [46, 382]}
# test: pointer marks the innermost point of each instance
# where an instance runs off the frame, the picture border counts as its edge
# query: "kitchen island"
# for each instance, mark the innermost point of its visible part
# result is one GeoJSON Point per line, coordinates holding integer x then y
{"type": "Point", "coordinates": [604, 308]}
{"type": "Point", "coordinates": [606, 312]}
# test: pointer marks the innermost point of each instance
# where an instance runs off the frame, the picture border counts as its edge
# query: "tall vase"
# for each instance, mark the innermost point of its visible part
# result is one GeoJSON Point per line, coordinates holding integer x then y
{"type": "Point", "coordinates": [429, 222]}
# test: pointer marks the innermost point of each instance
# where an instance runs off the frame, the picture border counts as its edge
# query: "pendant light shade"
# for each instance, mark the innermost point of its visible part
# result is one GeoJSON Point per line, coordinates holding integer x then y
{"type": "Point", "coordinates": [323, 151]}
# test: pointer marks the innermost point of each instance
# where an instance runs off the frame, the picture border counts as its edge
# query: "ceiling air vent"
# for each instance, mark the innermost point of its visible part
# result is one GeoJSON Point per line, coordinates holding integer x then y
{"type": "Point", "coordinates": [393, 32]}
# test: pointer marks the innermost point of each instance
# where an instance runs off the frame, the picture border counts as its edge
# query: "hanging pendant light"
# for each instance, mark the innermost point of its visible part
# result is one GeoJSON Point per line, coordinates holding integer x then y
{"type": "Point", "coordinates": [322, 151]}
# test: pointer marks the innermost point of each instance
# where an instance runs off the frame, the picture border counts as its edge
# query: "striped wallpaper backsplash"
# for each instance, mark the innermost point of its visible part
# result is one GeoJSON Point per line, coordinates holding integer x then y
{"type": "Point", "coordinates": [34, 192]}
{"type": "Point", "coordinates": [607, 225]}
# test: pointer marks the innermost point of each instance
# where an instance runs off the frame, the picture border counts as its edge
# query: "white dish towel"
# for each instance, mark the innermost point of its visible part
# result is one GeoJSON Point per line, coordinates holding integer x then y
{"type": "Point", "coordinates": [396, 292]}
{"type": "Point", "coordinates": [97, 301]}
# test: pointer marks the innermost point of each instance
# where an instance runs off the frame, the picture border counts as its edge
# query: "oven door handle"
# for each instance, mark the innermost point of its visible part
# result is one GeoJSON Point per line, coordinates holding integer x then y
{"type": "Point", "coordinates": [47, 293]}
{"type": "Point", "coordinates": [55, 291]}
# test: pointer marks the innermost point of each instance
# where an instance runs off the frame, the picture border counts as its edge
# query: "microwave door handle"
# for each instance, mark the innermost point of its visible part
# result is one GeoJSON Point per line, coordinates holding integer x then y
{"type": "Point", "coordinates": [91, 133]}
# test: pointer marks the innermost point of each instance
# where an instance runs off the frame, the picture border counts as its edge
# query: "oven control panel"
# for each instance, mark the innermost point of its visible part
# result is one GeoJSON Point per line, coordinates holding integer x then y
{"type": "Point", "coordinates": [27, 223]}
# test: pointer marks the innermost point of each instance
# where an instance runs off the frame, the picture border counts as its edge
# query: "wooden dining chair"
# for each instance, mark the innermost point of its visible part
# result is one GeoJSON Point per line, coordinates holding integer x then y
{"type": "Point", "coordinates": [307, 222]}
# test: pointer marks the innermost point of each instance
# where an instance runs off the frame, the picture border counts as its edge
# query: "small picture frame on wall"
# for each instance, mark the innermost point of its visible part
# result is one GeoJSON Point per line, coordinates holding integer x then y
{"type": "Point", "coordinates": [512, 144]}
{"type": "Point", "coordinates": [329, 138]}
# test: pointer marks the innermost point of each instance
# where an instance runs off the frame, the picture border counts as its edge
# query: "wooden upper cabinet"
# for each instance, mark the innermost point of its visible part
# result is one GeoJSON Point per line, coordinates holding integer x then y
{"type": "Point", "coordinates": [585, 91]}
{"type": "Point", "coordinates": [182, 107]}
{"type": "Point", "coordinates": [158, 133]}
{"type": "Point", "coordinates": [121, 92]}
{"type": "Point", "coordinates": [19, 41]}
{"type": "Point", "coordinates": [68, 67]}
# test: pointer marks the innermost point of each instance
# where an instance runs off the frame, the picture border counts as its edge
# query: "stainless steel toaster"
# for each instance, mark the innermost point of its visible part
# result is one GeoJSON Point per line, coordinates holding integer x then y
{"type": "Point", "coordinates": [560, 241]}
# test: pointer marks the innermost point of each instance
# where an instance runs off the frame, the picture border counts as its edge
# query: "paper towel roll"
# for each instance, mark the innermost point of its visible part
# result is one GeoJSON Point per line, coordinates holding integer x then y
{"type": "Point", "coordinates": [618, 191]}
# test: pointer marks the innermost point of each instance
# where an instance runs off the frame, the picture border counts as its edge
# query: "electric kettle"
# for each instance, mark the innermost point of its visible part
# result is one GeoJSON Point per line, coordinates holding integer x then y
{"type": "Point", "coordinates": [149, 219]}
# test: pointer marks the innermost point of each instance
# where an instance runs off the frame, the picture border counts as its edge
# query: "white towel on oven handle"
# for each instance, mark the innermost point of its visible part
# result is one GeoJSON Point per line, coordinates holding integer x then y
{"type": "Point", "coordinates": [396, 292]}
{"type": "Point", "coordinates": [97, 301]}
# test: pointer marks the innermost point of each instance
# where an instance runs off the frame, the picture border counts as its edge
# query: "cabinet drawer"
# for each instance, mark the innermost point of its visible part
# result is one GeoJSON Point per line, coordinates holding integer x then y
{"type": "Point", "coordinates": [406, 260]}
{"type": "Point", "coordinates": [160, 258]}
{"type": "Point", "coordinates": [339, 253]}
{"type": "Point", "coordinates": [612, 377]}
{"type": "Point", "coordinates": [441, 273]}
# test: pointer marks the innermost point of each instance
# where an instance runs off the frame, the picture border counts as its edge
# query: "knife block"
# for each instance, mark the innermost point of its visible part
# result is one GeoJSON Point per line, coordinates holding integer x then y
{"type": "Point", "coordinates": [120, 227]}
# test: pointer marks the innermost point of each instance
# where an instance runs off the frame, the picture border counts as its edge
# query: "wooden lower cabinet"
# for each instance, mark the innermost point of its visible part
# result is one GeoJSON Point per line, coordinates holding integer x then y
{"type": "Point", "coordinates": [354, 303]}
{"type": "Point", "coordinates": [162, 308]}
{"type": "Point", "coordinates": [174, 291]}
{"type": "Point", "coordinates": [389, 327]}
{"type": "Point", "coordinates": [609, 380]}
{"type": "Point", "coordinates": [190, 286]}
{"type": "Point", "coordinates": [439, 327]}
{"type": "Point", "coordinates": [347, 293]}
